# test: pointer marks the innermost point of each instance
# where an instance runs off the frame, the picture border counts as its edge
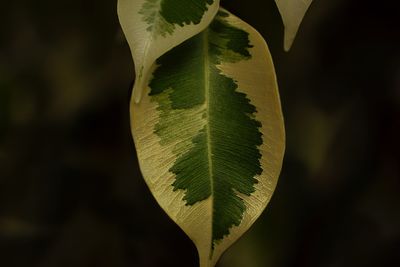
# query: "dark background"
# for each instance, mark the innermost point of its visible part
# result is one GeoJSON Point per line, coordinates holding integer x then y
{"type": "Point", "coordinates": [71, 193]}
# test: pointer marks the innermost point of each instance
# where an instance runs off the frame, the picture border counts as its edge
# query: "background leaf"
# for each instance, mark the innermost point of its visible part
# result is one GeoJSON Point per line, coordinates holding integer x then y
{"type": "Point", "coordinates": [152, 27]}
{"type": "Point", "coordinates": [292, 12]}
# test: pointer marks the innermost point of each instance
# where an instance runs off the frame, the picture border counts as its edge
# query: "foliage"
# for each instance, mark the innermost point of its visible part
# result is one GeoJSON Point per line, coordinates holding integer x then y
{"type": "Point", "coordinates": [71, 192]}
{"type": "Point", "coordinates": [206, 118]}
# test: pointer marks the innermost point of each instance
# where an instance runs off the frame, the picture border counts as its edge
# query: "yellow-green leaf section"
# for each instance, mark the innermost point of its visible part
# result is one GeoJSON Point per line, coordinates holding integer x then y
{"type": "Point", "coordinates": [292, 13]}
{"type": "Point", "coordinates": [153, 27]}
{"type": "Point", "coordinates": [209, 133]}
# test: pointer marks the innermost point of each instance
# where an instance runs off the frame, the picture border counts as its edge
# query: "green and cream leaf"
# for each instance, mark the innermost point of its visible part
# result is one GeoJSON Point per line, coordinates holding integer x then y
{"type": "Point", "coordinates": [153, 27]}
{"type": "Point", "coordinates": [292, 13]}
{"type": "Point", "coordinates": [209, 133]}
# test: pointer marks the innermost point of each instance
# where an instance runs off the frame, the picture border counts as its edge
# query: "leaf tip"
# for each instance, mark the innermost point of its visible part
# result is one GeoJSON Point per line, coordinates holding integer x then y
{"type": "Point", "coordinates": [137, 95]}
{"type": "Point", "coordinates": [289, 37]}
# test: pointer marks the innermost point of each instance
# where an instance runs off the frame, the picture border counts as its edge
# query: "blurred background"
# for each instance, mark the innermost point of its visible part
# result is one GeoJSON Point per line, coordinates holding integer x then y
{"type": "Point", "coordinates": [71, 193]}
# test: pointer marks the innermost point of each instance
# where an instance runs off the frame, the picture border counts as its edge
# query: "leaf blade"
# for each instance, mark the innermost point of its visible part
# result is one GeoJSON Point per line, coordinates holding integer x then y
{"type": "Point", "coordinates": [217, 82]}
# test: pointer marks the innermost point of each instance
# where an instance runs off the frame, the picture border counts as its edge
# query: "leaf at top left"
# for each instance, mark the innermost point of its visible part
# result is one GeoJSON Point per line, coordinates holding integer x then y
{"type": "Point", "coordinates": [153, 27]}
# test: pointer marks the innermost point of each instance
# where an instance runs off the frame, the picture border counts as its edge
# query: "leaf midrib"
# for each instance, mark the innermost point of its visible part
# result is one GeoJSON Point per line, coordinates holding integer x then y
{"type": "Point", "coordinates": [149, 41]}
{"type": "Point", "coordinates": [208, 130]}
{"type": "Point", "coordinates": [152, 33]}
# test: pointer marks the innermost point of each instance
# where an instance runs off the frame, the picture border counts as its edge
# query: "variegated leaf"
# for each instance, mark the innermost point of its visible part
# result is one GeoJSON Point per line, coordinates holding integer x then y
{"type": "Point", "coordinates": [292, 12]}
{"type": "Point", "coordinates": [153, 27]}
{"type": "Point", "coordinates": [209, 133]}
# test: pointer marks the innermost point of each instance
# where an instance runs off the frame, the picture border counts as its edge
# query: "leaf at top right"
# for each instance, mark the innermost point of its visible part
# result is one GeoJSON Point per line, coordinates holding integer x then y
{"type": "Point", "coordinates": [292, 12]}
